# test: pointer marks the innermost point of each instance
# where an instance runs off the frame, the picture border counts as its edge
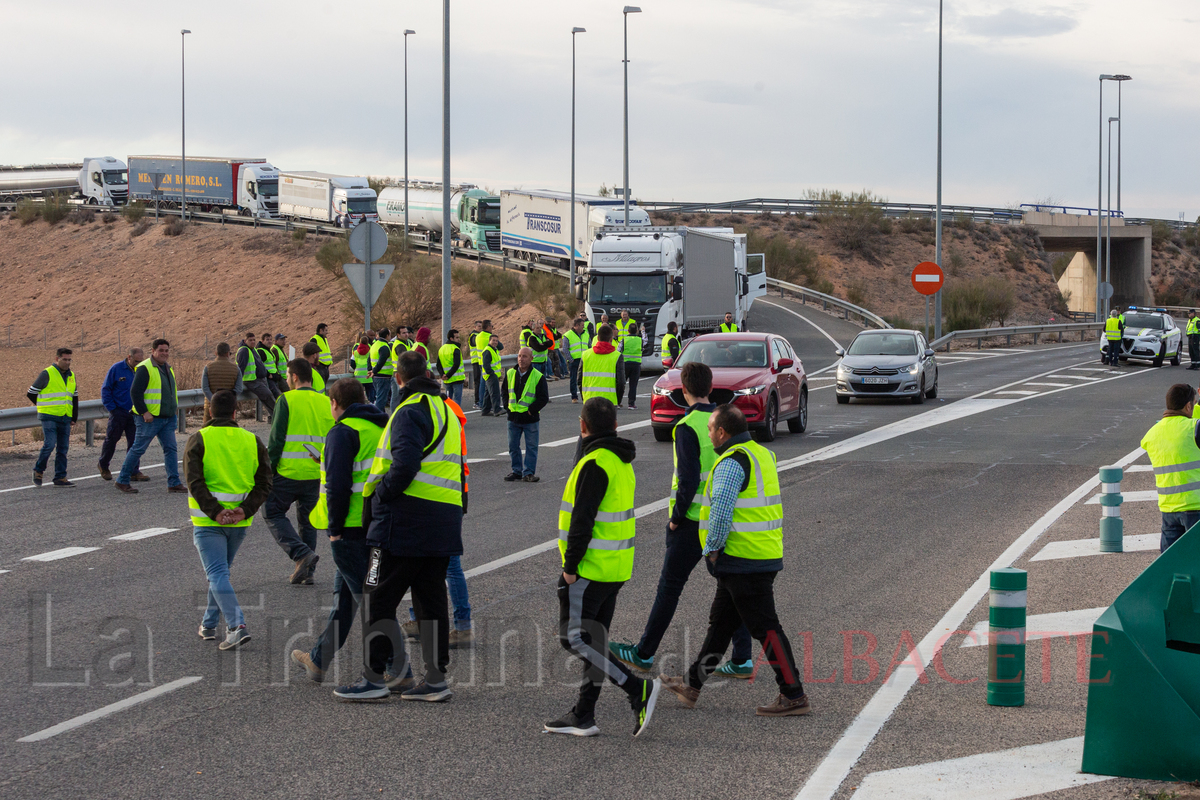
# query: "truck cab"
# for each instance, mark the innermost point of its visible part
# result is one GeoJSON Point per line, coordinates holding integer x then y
{"type": "Point", "coordinates": [353, 205]}
{"type": "Point", "coordinates": [479, 220]}
{"type": "Point", "coordinates": [258, 194]}
{"type": "Point", "coordinates": [104, 181]}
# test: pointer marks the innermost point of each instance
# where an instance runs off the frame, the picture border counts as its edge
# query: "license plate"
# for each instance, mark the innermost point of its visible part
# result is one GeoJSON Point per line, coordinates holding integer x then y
{"type": "Point", "coordinates": [875, 380]}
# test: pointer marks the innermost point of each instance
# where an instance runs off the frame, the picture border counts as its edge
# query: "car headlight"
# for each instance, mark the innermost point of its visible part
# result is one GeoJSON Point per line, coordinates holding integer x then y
{"type": "Point", "coordinates": [750, 391]}
{"type": "Point", "coordinates": [911, 369]}
{"type": "Point", "coordinates": [844, 369]}
{"type": "Point", "coordinates": [658, 390]}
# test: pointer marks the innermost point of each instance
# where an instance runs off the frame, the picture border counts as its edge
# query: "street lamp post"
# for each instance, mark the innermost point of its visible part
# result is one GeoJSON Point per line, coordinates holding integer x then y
{"type": "Point", "coordinates": [937, 298]}
{"type": "Point", "coordinates": [183, 120]}
{"type": "Point", "coordinates": [626, 12]}
{"type": "Point", "coordinates": [446, 241]}
{"type": "Point", "coordinates": [573, 32]}
{"type": "Point", "coordinates": [407, 33]}
{"type": "Point", "coordinates": [1119, 79]}
{"type": "Point", "coordinates": [1109, 210]}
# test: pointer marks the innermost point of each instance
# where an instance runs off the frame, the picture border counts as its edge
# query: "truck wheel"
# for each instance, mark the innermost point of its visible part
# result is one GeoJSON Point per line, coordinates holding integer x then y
{"type": "Point", "coordinates": [93, 201]}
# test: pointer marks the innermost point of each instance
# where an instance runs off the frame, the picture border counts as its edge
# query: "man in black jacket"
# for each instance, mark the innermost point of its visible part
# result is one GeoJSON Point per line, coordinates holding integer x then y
{"type": "Point", "coordinates": [247, 354]}
{"type": "Point", "coordinates": [527, 396]}
{"type": "Point", "coordinates": [156, 407]}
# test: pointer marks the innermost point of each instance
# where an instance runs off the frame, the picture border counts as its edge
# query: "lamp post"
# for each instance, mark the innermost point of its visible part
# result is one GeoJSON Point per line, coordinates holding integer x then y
{"type": "Point", "coordinates": [1119, 79]}
{"type": "Point", "coordinates": [937, 298]}
{"type": "Point", "coordinates": [625, 13]}
{"type": "Point", "coordinates": [406, 35]}
{"type": "Point", "coordinates": [183, 120]}
{"type": "Point", "coordinates": [1100, 196]}
{"type": "Point", "coordinates": [573, 32]}
{"type": "Point", "coordinates": [1108, 211]}
{"type": "Point", "coordinates": [446, 245]}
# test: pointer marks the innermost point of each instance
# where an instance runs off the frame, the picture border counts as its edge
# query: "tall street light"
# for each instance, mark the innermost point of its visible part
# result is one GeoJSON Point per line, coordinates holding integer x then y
{"type": "Point", "coordinates": [1100, 303]}
{"type": "Point", "coordinates": [626, 12]}
{"type": "Point", "coordinates": [407, 33]}
{"type": "Point", "coordinates": [1119, 79]}
{"type": "Point", "coordinates": [183, 119]}
{"type": "Point", "coordinates": [446, 243]}
{"type": "Point", "coordinates": [1109, 210]}
{"type": "Point", "coordinates": [937, 298]}
{"type": "Point", "coordinates": [573, 32]}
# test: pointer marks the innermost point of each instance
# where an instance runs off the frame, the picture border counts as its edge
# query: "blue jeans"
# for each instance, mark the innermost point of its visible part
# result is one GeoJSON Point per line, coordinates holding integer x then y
{"type": "Point", "coordinates": [56, 436]}
{"type": "Point", "coordinates": [350, 556]}
{"type": "Point", "coordinates": [576, 369]}
{"type": "Point", "coordinates": [369, 388]}
{"type": "Point", "coordinates": [395, 392]}
{"type": "Point", "coordinates": [383, 392]}
{"type": "Point", "coordinates": [455, 391]}
{"type": "Point", "coordinates": [530, 429]}
{"type": "Point", "coordinates": [540, 366]}
{"type": "Point", "coordinates": [217, 547]}
{"type": "Point", "coordinates": [1176, 524]}
{"type": "Point", "coordinates": [556, 357]}
{"type": "Point", "coordinates": [457, 581]}
{"type": "Point", "coordinates": [163, 429]}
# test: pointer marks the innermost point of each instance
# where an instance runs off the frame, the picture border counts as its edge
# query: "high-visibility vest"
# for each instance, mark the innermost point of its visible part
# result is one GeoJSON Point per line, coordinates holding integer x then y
{"type": "Point", "coordinates": [1171, 444]}
{"type": "Point", "coordinates": [757, 528]}
{"type": "Point", "coordinates": [631, 349]}
{"type": "Point", "coordinates": [268, 359]}
{"type": "Point", "coordinates": [495, 362]}
{"type": "Point", "coordinates": [698, 422]}
{"type": "Point", "coordinates": [729, 327]}
{"type": "Point", "coordinates": [419, 347]}
{"type": "Point", "coordinates": [539, 356]}
{"type": "Point", "coordinates": [522, 404]}
{"type": "Point", "coordinates": [524, 336]}
{"type": "Point", "coordinates": [318, 382]}
{"type": "Point", "coordinates": [368, 442]}
{"type": "Point", "coordinates": [446, 359]}
{"type": "Point", "coordinates": [388, 365]}
{"type": "Point", "coordinates": [441, 474]}
{"type": "Point", "coordinates": [1112, 329]}
{"type": "Point", "coordinates": [622, 328]}
{"type": "Point", "coordinates": [362, 365]}
{"type": "Point", "coordinates": [250, 373]}
{"type": "Point", "coordinates": [609, 555]}
{"type": "Point", "coordinates": [57, 398]}
{"type": "Point", "coordinates": [325, 358]}
{"type": "Point", "coordinates": [481, 341]}
{"type": "Point", "coordinates": [153, 395]}
{"type": "Point", "coordinates": [666, 344]}
{"type": "Point", "coordinates": [281, 361]}
{"type": "Point", "coordinates": [578, 342]}
{"type": "Point", "coordinates": [308, 421]}
{"type": "Point", "coordinates": [473, 347]}
{"type": "Point", "coordinates": [399, 348]}
{"type": "Point", "coordinates": [230, 461]}
{"type": "Point", "coordinates": [599, 378]}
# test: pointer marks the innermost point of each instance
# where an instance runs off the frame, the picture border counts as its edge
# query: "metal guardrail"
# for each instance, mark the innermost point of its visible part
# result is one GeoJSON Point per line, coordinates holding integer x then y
{"type": "Point", "coordinates": [979, 334]}
{"type": "Point", "coordinates": [764, 205]}
{"type": "Point", "coordinates": [826, 300]}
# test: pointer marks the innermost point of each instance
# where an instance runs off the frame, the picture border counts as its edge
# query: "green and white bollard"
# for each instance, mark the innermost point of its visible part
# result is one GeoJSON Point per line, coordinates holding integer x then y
{"type": "Point", "coordinates": [1112, 528]}
{"type": "Point", "coordinates": [1006, 637]}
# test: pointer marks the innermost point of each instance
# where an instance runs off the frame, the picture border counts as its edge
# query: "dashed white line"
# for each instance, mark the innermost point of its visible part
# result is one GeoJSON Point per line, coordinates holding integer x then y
{"type": "Point", "coordinates": [65, 552]}
{"type": "Point", "coordinates": [113, 708]}
{"type": "Point", "coordinates": [143, 467]}
{"type": "Point", "coordinates": [144, 534]}
{"type": "Point", "coordinates": [823, 332]}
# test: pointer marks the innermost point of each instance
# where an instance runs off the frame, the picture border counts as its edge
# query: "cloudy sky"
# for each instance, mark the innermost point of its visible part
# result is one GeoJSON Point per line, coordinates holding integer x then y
{"type": "Point", "coordinates": [728, 98]}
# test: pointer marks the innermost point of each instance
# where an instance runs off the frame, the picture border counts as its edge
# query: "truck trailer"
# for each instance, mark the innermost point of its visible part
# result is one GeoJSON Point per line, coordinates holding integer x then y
{"type": "Point", "coordinates": [474, 214]}
{"type": "Point", "coordinates": [102, 181]}
{"type": "Point", "coordinates": [538, 224]}
{"type": "Point", "coordinates": [341, 200]}
{"type": "Point", "coordinates": [247, 186]}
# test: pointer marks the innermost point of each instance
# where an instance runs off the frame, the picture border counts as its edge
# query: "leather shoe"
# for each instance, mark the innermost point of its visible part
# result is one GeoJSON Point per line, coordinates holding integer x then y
{"type": "Point", "coordinates": [105, 474]}
{"type": "Point", "coordinates": [138, 476]}
{"type": "Point", "coordinates": [180, 489]}
{"type": "Point", "coordinates": [126, 488]}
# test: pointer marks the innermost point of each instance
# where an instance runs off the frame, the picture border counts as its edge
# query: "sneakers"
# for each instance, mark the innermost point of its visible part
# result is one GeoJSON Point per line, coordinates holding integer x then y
{"type": "Point", "coordinates": [430, 694]}
{"type": "Point", "coordinates": [177, 489]}
{"type": "Point", "coordinates": [627, 653]}
{"type": "Point", "coordinates": [140, 478]}
{"type": "Point", "coordinates": [234, 638]}
{"type": "Point", "coordinates": [531, 479]}
{"type": "Point", "coordinates": [104, 473]}
{"type": "Point", "coordinates": [60, 482]}
{"type": "Point", "coordinates": [732, 669]}
{"type": "Point", "coordinates": [632, 407]}
{"type": "Point", "coordinates": [362, 692]}
{"type": "Point", "coordinates": [784, 707]}
{"type": "Point", "coordinates": [126, 488]}
{"type": "Point", "coordinates": [686, 694]}
{"type": "Point", "coordinates": [303, 570]}
{"type": "Point", "coordinates": [311, 669]}
{"type": "Point", "coordinates": [37, 478]}
{"type": "Point", "coordinates": [512, 476]}
{"type": "Point", "coordinates": [574, 400]}
{"type": "Point", "coordinates": [572, 725]}
{"type": "Point", "coordinates": [396, 682]}
{"type": "Point", "coordinates": [643, 705]}
{"type": "Point", "coordinates": [208, 634]}
{"type": "Point", "coordinates": [461, 638]}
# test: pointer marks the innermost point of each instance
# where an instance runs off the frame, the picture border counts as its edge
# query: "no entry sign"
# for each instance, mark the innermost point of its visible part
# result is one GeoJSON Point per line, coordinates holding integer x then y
{"type": "Point", "coordinates": [927, 278]}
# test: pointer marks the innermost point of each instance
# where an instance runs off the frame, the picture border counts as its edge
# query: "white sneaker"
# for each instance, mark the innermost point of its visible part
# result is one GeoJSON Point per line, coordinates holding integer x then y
{"type": "Point", "coordinates": [235, 638]}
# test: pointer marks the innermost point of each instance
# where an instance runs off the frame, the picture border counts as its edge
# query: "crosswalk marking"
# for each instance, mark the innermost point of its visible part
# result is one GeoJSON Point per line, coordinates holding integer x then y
{"type": "Point", "coordinates": [1129, 497]}
{"type": "Point", "coordinates": [1014, 391]}
{"type": "Point", "coordinates": [1043, 626]}
{"type": "Point", "coordinates": [1052, 385]}
{"type": "Point", "coordinates": [1075, 548]}
{"type": "Point", "coordinates": [1089, 369]}
{"type": "Point", "coordinates": [55, 555]}
{"type": "Point", "coordinates": [1076, 377]}
{"type": "Point", "coordinates": [146, 534]}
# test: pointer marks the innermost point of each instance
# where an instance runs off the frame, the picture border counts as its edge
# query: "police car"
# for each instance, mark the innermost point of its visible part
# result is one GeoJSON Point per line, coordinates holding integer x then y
{"type": "Point", "coordinates": [1150, 335]}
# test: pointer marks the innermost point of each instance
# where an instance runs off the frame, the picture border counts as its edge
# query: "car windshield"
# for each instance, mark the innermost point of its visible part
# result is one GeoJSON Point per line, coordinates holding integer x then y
{"type": "Point", "coordinates": [725, 354]}
{"type": "Point", "coordinates": [883, 344]}
{"type": "Point", "coordinates": [609, 289]}
{"type": "Point", "coordinates": [489, 213]}
{"type": "Point", "coordinates": [268, 188]}
{"type": "Point", "coordinates": [362, 205]}
{"type": "Point", "coordinates": [1152, 321]}
{"type": "Point", "coordinates": [116, 177]}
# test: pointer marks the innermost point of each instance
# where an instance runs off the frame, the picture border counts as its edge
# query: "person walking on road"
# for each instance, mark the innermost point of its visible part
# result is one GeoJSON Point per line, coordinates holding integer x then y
{"type": "Point", "coordinates": [729, 326]}
{"type": "Point", "coordinates": [603, 370]}
{"type": "Point", "coordinates": [57, 400]}
{"type": "Point", "coordinates": [114, 394]}
{"type": "Point", "coordinates": [476, 366]}
{"type": "Point", "coordinates": [302, 420]}
{"type": "Point", "coordinates": [415, 488]}
{"type": "Point", "coordinates": [481, 341]}
{"type": "Point", "coordinates": [1173, 444]}
{"type": "Point", "coordinates": [493, 400]}
{"type": "Point", "coordinates": [156, 402]}
{"type": "Point", "coordinates": [218, 376]}
{"type": "Point", "coordinates": [312, 354]}
{"type": "Point", "coordinates": [741, 526]}
{"type": "Point", "coordinates": [577, 341]}
{"type": "Point", "coordinates": [540, 344]}
{"type": "Point", "coordinates": [596, 528]}
{"type": "Point", "coordinates": [631, 352]}
{"type": "Point", "coordinates": [228, 477]}
{"type": "Point", "coordinates": [254, 372]}
{"type": "Point", "coordinates": [1193, 340]}
{"type": "Point", "coordinates": [527, 396]}
{"type": "Point", "coordinates": [450, 366]}
{"type": "Point", "coordinates": [694, 458]}
{"type": "Point", "coordinates": [381, 369]}
{"type": "Point", "coordinates": [1114, 328]}
{"type": "Point", "coordinates": [325, 357]}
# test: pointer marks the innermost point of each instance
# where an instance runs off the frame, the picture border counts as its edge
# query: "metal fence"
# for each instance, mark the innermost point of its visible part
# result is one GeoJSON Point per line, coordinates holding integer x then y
{"type": "Point", "coordinates": [979, 334]}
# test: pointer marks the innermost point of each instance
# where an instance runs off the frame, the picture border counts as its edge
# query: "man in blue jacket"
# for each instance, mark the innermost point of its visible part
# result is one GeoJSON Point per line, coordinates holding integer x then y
{"type": "Point", "coordinates": [121, 421]}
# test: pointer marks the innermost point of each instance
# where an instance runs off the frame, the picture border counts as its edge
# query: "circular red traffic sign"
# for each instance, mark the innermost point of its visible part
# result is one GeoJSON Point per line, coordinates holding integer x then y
{"type": "Point", "coordinates": [927, 277]}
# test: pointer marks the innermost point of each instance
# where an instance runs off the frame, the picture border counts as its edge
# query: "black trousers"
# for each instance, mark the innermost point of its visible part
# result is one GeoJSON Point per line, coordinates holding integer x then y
{"type": "Point", "coordinates": [262, 391]}
{"type": "Point", "coordinates": [585, 611]}
{"type": "Point", "coordinates": [633, 371]}
{"type": "Point", "coordinates": [747, 598]}
{"type": "Point", "coordinates": [1194, 348]}
{"type": "Point", "coordinates": [121, 423]}
{"type": "Point", "coordinates": [389, 577]}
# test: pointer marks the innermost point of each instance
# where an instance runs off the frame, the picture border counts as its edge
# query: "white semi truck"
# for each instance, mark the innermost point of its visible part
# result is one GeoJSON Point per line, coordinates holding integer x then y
{"type": "Point", "coordinates": [341, 200]}
{"type": "Point", "coordinates": [538, 224]}
{"type": "Point", "coordinates": [474, 214]}
{"type": "Point", "coordinates": [662, 274]}
{"type": "Point", "coordinates": [102, 181]}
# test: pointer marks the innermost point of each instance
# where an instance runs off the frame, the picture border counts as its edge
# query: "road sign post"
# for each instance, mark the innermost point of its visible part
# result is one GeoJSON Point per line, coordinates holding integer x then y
{"type": "Point", "coordinates": [368, 241]}
{"type": "Point", "coordinates": [927, 278]}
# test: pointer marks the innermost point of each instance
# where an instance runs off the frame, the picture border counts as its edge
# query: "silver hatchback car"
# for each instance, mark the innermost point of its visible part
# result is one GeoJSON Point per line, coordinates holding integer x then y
{"type": "Point", "coordinates": [887, 363]}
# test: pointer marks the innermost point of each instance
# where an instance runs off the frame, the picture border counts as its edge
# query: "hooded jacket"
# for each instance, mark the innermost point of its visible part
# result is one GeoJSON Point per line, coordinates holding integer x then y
{"type": "Point", "coordinates": [590, 488]}
{"type": "Point", "coordinates": [341, 446]}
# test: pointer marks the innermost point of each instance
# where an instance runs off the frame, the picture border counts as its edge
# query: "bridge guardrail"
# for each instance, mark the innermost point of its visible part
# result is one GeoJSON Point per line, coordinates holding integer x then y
{"type": "Point", "coordinates": [979, 334]}
{"type": "Point", "coordinates": [869, 319]}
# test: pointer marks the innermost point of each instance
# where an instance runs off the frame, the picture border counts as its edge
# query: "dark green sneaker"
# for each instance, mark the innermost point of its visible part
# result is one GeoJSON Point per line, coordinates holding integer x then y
{"type": "Point", "coordinates": [732, 669]}
{"type": "Point", "coordinates": [627, 653]}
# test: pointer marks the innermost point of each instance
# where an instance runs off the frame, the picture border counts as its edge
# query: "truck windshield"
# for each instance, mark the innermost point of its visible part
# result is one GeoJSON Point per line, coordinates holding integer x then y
{"type": "Point", "coordinates": [489, 213]}
{"type": "Point", "coordinates": [116, 177]}
{"type": "Point", "coordinates": [725, 354]}
{"type": "Point", "coordinates": [362, 205]}
{"type": "Point", "coordinates": [268, 188]}
{"type": "Point", "coordinates": [607, 289]}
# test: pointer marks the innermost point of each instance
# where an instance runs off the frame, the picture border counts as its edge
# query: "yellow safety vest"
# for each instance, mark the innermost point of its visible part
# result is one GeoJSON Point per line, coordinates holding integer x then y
{"type": "Point", "coordinates": [599, 378]}
{"type": "Point", "coordinates": [481, 341]}
{"type": "Point", "coordinates": [578, 342]}
{"type": "Point", "coordinates": [441, 475]}
{"type": "Point", "coordinates": [153, 395]}
{"type": "Point", "coordinates": [368, 442]}
{"type": "Point", "coordinates": [666, 344]}
{"type": "Point", "coordinates": [1171, 444]}
{"type": "Point", "coordinates": [318, 383]}
{"type": "Point", "coordinates": [57, 398]}
{"type": "Point", "coordinates": [495, 363]}
{"type": "Point", "coordinates": [250, 373]}
{"type": "Point", "coordinates": [520, 406]}
{"type": "Point", "coordinates": [268, 359]}
{"type": "Point", "coordinates": [698, 422]}
{"type": "Point", "coordinates": [325, 358]}
{"type": "Point", "coordinates": [757, 528]}
{"type": "Point", "coordinates": [631, 349]}
{"type": "Point", "coordinates": [446, 359]}
{"type": "Point", "coordinates": [230, 461]}
{"type": "Point", "coordinates": [730, 327]}
{"type": "Point", "coordinates": [1112, 329]}
{"type": "Point", "coordinates": [362, 365]}
{"type": "Point", "coordinates": [622, 328]}
{"type": "Point", "coordinates": [281, 361]}
{"type": "Point", "coordinates": [308, 421]}
{"type": "Point", "coordinates": [389, 365]}
{"type": "Point", "coordinates": [609, 556]}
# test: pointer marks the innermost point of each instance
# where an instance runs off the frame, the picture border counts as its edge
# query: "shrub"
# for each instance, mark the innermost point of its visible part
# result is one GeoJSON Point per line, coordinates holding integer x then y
{"type": "Point", "coordinates": [1160, 233]}
{"type": "Point", "coordinates": [964, 222]}
{"type": "Point", "coordinates": [977, 303]}
{"type": "Point", "coordinates": [790, 261]}
{"type": "Point", "coordinates": [333, 254]}
{"type": "Point", "coordinates": [174, 227]}
{"type": "Point", "coordinates": [413, 294]}
{"type": "Point", "coordinates": [141, 227]}
{"type": "Point", "coordinates": [498, 286]}
{"type": "Point", "coordinates": [1059, 265]}
{"type": "Point", "coordinates": [856, 292]}
{"type": "Point", "coordinates": [735, 219]}
{"type": "Point", "coordinates": [853, 220]}
{"type": "Point", "coordinates": [957, 261]}
{"type": "Point", "coordinates": [55, 209]}
{"type": "Point", "coordinates": [27, 211]}
{"type": "Point", "coordinates": [1015, 259]}
{"type": "Point", "coordinates": [264, 242]}
{"type": "Point", "coordinates": [1174, 249]}
{"type": "Point", "coordinates": [542, 291]}
{"type": "Point", "coordinates": [81, 215]}
{"type": "Point", "coordinates": [133, 212]}
{"type": "Point", "coordinates": [108, 218]}
{"type": "Point", "coordinates": [902, 323]}
{"type": "Point", "coordinates": [299, 235]}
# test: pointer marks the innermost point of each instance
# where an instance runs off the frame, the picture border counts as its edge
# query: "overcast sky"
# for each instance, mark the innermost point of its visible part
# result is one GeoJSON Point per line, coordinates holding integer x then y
{"type": "Point", "coordinates": [729, 99]}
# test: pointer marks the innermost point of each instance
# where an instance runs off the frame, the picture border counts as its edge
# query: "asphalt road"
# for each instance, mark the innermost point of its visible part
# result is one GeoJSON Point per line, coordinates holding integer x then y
{"type": "Point", "coordinates": [893, 513]}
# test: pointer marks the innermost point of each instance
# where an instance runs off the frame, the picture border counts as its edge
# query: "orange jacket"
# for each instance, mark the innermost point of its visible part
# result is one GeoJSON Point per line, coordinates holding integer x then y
{"type": "Point", "coordinates": [462, 419]}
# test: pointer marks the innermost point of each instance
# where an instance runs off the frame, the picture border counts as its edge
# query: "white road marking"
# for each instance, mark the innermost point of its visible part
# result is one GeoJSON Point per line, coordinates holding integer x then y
{"type": "Point", "coordinates": [1043, 626]}
{"type": "Point", "coordinates": [145, 534]}
{"type": "Point", "coordinates": [1077, 377]}
{"type": "Point", "coordinates": [1003, 775]}
{"type": "Point", "coordinates": [823, 332]}
{"type": "Point", "coordinates": [1090, 369]}
{"type": "Point", "coordinates": [1128, 497]}
{"type": "Point", "coordinates": [112, 708]}
{"type": "Point", "coordinates": [1140, 468]}
{"type": "Point", "coordinates": [143, 468]}
{"type": "Point", "coordinates": [1052, 385]}
{"type": "Point", "coordinates": [2, 571]}
{"type": "Point", "coordinates": [1016, 391]}
{"type": "Point", "coordinates": [479, 460]}
{"type": "Point", "coordinates": [1077, 548]}
{"type": "Point", "coordinates": [55, 555]}
{"type": "Point", "coordinates": [573, 439]}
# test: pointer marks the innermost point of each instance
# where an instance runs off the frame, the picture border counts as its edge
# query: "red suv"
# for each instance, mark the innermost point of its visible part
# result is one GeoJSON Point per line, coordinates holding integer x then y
{"type": "Point", "coordinates": [757, 372]}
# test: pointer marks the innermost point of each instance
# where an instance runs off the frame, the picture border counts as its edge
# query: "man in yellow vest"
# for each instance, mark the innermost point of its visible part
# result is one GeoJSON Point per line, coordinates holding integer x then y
{"type": "Point", "coordinates": [1113, 330]}
{"type": "Point", "coordinates": [631, 354]}
{"type": "Point", "coordinates": [415, 488]}
{"type": "Point", "coordinates": [228, 476]}
{"type": "Point", "coordinates": [311, 353]}
{"type": "Point", "coordinates": [349, 450]}
{"type": "Point", "coordinates": [1173, 445]}
{"type": "Point", "coordinates": [325, 360]}
{"type": "Point", "coordinates": [279, 350]}
{"type": "Point", "coordinates": [266, 354]}
{"type": "Point", "coordinates": [381, 366]}
{"type": "Point", "coordinates": [596, 528]}
{"type": "Point", "coordinates": [577, 342]}
{"type": "Point", "coordinates": [57, 401]}
{"type": "Point", "coordinates": [450, 366]}
{"type": "Point", "coordinates": [741, 527]}
{"type": "Point", "coordinates": [402, 344]}
{"type": "Point", "coordinates": [1193, 339]}
{"type": "Point", "coordinates": [493, 398]}
{"type": "Point", "coordinates": [621, 328]}
{"type": "Point", "coordinates": [482, 339]}
{"type": "Point", "coordinates": [670, 342]}
{"type": "Point", "coordinates": [156, 404]}
{"type": "Point", "coordinates": [476, 363]}
{"type": "Point", "coordinates": [527, 396]}
{"type": "Point", "coordinates": [729, 326]}
{"type": "Point", "coordinates": [302, 419]}
{"type": "Point", "coordinates": [254, 372]}
{"type": "Point", "coordinates": [603, 370]}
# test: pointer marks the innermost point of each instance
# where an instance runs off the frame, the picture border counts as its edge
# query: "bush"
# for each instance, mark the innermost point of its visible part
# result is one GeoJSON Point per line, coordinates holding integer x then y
{"type": "Point", "coordinates": [299, 235]}
{"type": "Point", "coordinates": [498, 286]}
{"type": "Point", "coordinates": [1160, 233]}
{"type": "Point", "coordinates": [550, 295]}
{"type": "Point", "coordinates": [1059, 265]}
{"type": "Point", "coordinates": [903, 323]}
{"type": "Point", "coordinates": [333, 254]}
{"type": "Point", "coordinates": [853, 220]}
{"type": "Point", "coordinates": [55, 209]}
{"type": "Point", "coordinates": [964, 222]}
{"type": "Point", "coordinates": [856, 292]}
{"type": "Point", "coordinates": [1015, 259]}
{"type": "Point", "coordinates": [265, 242]}
{"type": "Point", "coordinates": [108, 218]}
{"type": "Point", "coordinates": [957, 261]}
{"type": "Point", "coordinates": [27, 211]}
{"type": "Point", "coordinates": [133, 212]}
{"type": "Point", "coordinates": [81, 215]}
{"type": "Point", "coordinates": [977, 303]}
{"type": "Point", "coordinates": [175, 227]}
{"type": "Point", "coordinates": [412, 295]}
{"type": "Point", "coordinates": [140, 228]}
{"type": "Point", "coordinates": [789, 261]}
